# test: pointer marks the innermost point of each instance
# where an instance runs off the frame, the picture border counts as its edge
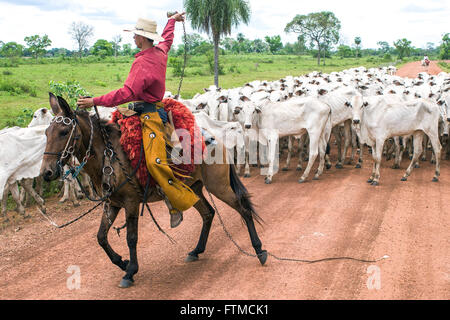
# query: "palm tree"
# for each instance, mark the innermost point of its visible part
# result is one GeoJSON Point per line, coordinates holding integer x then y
{"type": "Point", "coordinates": [217, 17]}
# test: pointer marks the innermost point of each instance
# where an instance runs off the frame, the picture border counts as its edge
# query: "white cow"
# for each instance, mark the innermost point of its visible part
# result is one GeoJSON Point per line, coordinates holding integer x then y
{"type": "Point", "coordinates": [22, 161]}
{"type": "Point", "coordinates": [290, 118]}
{"type": "Point", "coordinates": [380, 118]}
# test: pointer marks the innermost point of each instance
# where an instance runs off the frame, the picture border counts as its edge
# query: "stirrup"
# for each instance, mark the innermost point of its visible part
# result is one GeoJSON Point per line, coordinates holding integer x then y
{"type": "Point", "coordinates": [175, 218]}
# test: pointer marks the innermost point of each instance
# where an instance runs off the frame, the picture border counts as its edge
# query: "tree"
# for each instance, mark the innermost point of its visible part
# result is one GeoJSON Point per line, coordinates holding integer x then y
{"type": "Point", "coordinates": [102, 48]}
{"type": "Point", "coordinates": [81, 33]}
{"type": "Point", "coordinates": [274, 43]}
{"type": "Point", "coordinates": [384, 47]}
{"type": "Point", "coordinates": [358, 46]}
{"type": "Point", "coordinates": [344, 51]}
{"type": "Point", "coordinates": [321, 28]}
{"type": "Point", "coordinates": [445, 47]}
{"type": "Point", "coordinates": [115, 43]}
{"type": "Point", "coordinates": [217, 17]}
{"type": "Point", "coordinates": [260, 46]}
{"type": "Point", "coordinates": [11, 50]}
{"type": "Point", "coordinates": [127, 50]}
{"type": "Point", "coordinates": [37, 44]}
{"type": "Point", "coordinates": [403, 47]}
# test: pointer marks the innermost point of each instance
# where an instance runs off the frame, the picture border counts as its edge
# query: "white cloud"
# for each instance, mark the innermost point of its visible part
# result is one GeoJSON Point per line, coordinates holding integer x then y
{"type": "Point", "coordinates": [385, 20]}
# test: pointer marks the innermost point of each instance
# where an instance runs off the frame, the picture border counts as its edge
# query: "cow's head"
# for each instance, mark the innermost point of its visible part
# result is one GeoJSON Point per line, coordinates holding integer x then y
{"type": "Point", "coordinates": [357, 104]}
{"type": "Point", "coordinates": [248, 113]}
{"type": "Point", "coordinates": [41, 117]}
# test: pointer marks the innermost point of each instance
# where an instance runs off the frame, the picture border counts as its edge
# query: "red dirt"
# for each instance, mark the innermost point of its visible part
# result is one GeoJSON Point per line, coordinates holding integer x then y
{"type": "Point", "coordinates": [411, 69]}
{"type": "Point", "coordinates": [339, 215]}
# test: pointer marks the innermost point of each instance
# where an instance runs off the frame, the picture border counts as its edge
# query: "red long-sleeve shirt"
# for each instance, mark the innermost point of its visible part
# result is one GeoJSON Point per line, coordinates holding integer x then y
{"type": "Point", "coordinates": [147, 78]}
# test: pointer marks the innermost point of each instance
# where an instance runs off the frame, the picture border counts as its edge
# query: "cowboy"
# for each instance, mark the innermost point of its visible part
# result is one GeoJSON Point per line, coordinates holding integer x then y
{"type": "Point", "coordinates": [145, 86]}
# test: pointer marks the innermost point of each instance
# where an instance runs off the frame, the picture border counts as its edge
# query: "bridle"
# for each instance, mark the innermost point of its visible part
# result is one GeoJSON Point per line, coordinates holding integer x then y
{"type": "Point", "coordinates": [69, 150]}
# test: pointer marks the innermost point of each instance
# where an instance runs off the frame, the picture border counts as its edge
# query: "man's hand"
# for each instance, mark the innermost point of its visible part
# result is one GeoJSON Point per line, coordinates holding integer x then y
{"type": "Point", "coordinates": [85, 103]}
{"type": "Point", "coordinates": [178, 16]}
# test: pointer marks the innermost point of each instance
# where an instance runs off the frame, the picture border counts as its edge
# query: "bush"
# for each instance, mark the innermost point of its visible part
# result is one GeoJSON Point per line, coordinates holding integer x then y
{"type": "Point", "coordinates": [69, 90]}
{"type": "Point", "coordinates": [387, 57]}
{"type": "Point", "coordinates": [100, 83]}
{"type": "Point", "coordinates": [15, 88]}
{"type": "Point", "coordinates": [210, 58]}
{"type": "Point", "coordinates": [177, 65]}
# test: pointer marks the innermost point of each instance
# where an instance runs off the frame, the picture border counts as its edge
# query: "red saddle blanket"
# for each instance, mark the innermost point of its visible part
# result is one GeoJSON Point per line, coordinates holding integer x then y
{"type": "Point", "coordinates": [131, 139]}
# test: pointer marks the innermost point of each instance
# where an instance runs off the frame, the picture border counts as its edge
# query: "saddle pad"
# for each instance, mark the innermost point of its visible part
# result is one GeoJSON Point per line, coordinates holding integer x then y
{"type": "Point", "coordinates": [131, 138]}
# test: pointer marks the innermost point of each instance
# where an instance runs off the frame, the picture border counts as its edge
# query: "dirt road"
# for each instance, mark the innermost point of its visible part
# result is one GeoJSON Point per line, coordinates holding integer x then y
{"type": "Point", "coordinates": [411, 69]}
{"type": "Point", "coordinates": [339, 215]}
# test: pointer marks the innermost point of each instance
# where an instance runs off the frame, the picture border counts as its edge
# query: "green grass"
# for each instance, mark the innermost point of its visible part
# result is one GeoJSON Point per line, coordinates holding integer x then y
{"type": "Point", "coordinates": [30, 82]}
{"type": "Point", "coordinates": [445, 66]}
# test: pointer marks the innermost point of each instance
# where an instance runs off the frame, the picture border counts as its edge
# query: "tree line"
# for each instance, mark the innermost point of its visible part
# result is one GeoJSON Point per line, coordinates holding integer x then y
{"type": "Point", "coordinates": [318, 34]}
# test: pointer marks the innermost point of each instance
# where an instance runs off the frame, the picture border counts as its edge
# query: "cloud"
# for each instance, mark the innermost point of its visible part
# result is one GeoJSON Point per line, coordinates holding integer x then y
{"type": "Point", "coordinates": [412, 8]}
{"type": "Point", "coordinates": [373, 21]}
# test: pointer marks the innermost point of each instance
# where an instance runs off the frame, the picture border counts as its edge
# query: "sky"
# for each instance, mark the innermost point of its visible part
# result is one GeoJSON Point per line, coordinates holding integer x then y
{"type": "Point", "coordinates": [381, 20]}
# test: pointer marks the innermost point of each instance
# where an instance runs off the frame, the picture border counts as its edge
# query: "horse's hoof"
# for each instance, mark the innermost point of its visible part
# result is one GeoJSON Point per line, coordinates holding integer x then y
{"type": "Point", "coordinates": [435, 179]}
{"type": "Point", "coordinates": [191, 258]}
{"type": "Point", "coordinates": [299, 169]}
{"type": "Point", "coordinates": [404, 179]}
{"type": "Point", "coordinates": [410, 157]}
{"type": "Point", "coordinates": [328, 166]}
{"type": "Point", "coordinates": [125, 283]}
{"type": "Point", "coordinates": [395, 167]}
{"type": "Point", "coordinates": [316, 178]}
{"type": "Point", "coordinates": [339, 166]}
{"type": "Point", "coordinates": [301, 181]}
{"type": "Point", "coordinates": [375, 183]}
{"type": "Point", "coordinates": [268, 181]}
{"type": "Point", "coordinates": [247, 175]}
{"type": "Point", "coordinates": [76, 205]}
{"type": "Point", "coordinates": [358, 166]}
{"type": "Point", "coordinates": [369, 181]}
{"type": "Point", "coordinates": [27, 216]}
{"type": "Point", "coordinates": [262, 257]}
{"type": "Point", "coordinates": [416, 166]}
{"type": "Point", "coordinates": [285, 169]}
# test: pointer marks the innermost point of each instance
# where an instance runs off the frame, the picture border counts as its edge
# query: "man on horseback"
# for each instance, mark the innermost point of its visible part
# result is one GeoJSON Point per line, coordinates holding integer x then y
{"type": "Point", "coordinates": [145, 86]}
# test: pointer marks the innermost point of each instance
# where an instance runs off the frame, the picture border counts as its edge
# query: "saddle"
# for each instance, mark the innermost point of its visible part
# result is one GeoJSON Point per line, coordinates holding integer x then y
{"type": "Point", "coordinates": [178, 117]}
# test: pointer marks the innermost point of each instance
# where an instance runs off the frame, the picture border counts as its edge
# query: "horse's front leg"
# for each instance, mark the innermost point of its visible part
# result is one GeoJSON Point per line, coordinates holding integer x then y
{"type": "Point", "coordinates": [132, 218]}
{"type": "Point", "coordinates": [108, 218]}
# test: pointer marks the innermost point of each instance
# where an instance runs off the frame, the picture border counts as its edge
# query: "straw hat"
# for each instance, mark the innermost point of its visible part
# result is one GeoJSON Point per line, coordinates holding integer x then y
{"type": "Point", "coordinates": [146, 28]}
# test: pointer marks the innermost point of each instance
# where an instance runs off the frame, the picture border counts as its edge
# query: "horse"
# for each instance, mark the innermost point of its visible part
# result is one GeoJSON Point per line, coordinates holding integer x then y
{"type": "Point", "coordinates": [81, 132]}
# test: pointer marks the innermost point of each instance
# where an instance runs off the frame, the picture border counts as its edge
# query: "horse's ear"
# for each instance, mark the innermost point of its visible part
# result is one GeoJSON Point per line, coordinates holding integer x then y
{"type": "Point", "coordinates": [56, 108]}
{"type": "Point", "coordinates": [67, 110]}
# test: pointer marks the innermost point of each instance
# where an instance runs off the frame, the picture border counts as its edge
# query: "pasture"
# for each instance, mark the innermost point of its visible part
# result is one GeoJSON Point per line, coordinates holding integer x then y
{"type": "Point", "coordinates": [26, 86]}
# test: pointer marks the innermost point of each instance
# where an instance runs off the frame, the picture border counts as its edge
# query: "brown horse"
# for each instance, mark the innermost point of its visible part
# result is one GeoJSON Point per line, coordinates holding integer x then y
{"type": "Point", "coordinates": [76, 132]}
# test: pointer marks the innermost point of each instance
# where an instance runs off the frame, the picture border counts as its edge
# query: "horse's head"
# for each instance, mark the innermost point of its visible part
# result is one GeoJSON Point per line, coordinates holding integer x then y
{"type": "Point", "coordinates": [63, 138]}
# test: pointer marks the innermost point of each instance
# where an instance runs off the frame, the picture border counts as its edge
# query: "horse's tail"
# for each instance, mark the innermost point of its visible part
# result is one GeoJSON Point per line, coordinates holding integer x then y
{"type": "Point", "coordinates": [242, 195]}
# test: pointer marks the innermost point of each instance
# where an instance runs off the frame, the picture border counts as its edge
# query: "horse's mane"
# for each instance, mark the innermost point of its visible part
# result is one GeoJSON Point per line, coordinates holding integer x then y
{"type": "Point", "coordinates": [111, 128]}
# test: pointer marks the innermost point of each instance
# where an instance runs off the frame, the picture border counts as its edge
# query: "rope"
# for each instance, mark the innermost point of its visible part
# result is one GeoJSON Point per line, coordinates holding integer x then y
{"type": "Point", "coordinates": [70, 222]}
{"type": "Point", "coordinates": [282, 258]}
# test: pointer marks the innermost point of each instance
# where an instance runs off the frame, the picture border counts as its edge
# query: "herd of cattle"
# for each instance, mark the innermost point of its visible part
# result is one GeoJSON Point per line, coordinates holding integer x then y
{"type": "Point", "coordinates": [360, 107]}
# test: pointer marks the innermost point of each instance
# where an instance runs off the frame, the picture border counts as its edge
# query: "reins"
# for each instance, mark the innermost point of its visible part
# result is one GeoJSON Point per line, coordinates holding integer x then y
{"type": "Point", "coordinates": [108, 153]}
